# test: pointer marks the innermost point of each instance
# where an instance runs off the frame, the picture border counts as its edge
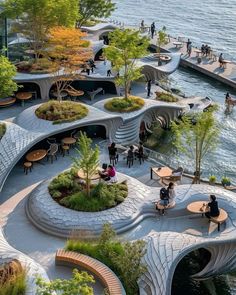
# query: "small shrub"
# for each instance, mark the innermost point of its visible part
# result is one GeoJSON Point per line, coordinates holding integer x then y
{"type": "Point", "coordinates": [225, 181]}
{"type": "Point", "coordinates": [125, 259]}
{"type": "Point", "coordinates": [212, 178]}
{"type": "Point", "coordinates": [13, 282]}
{"type": "Point", "coordinates": [3, 129]}
{"type": "Point", "coordinates": [61, 112]}
{"type": "Point", "coordinates": [168, 97]}
{"type": "Point", "coordinates": [117, 104]}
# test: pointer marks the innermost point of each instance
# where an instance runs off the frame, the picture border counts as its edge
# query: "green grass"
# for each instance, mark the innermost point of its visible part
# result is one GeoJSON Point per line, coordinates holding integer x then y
{"type": "Point", "coordinates": [3, 129]}
{"type": "Point", "coordinates": [123, 105]}
{"type": "Point", "coordinates": [15, 284]}
{"type": "Point", "coordinates": [166, 97]}
{"type": "Point", "coordinates": [68, 192]}
{"type": "Point", "coordinates": [123, 258]}
{"type": "Point", "coordinates": [61, 111]}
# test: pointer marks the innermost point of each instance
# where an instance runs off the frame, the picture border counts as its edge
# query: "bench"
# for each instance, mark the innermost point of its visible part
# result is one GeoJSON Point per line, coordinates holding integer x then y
{"type": "Point", "coordinates": [162, 208]}
{"type": "Point", "coordinates": [95, 92]}
{"type": "Point", "coordinates": [5, 102]}
{"type": "Point", "coordinates": [220, 219]}
{"type": "Point", "coordinates": [107, 277]}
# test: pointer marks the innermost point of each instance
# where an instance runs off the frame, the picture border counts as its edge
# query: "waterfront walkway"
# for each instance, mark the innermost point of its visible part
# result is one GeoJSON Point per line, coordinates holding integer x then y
{"type": "Point", "coordinates": [208, 67]}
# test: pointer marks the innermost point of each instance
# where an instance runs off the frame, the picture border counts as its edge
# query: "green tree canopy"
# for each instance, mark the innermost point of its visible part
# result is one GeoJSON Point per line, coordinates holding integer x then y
{"type": "Point", "coordinates": [37, 17]}
{"type": "Point", "coordinates": [88, 160]}
{"type": "Point", "coordinates": [77, 285]}
{"type": "Point", "coordinates": [126, 46]}
{"type": "Point", "coordinates": [196, 139]}
{"type": "Point", "coordinates": [7, 72]}
{"type": "Point", "coordinates": [89, 9]}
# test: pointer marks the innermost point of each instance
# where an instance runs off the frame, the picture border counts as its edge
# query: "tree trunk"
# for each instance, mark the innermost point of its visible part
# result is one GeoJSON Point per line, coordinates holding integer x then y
{"type": "Point", "coordinates": [87, 186]}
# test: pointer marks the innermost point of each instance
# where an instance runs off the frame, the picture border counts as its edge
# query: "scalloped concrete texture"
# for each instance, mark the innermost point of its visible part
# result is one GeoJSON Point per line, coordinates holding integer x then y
{"type": "Point", "coordinates": [171, 237]}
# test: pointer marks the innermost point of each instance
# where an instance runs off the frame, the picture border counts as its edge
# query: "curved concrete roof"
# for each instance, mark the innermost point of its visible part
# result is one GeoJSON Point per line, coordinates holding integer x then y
{"type": "Point", "coordinates": [172, 237]}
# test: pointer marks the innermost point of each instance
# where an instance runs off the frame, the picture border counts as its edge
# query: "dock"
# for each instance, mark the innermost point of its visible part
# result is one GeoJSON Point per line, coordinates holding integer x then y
{"type": "Point", "coordinates": [208, 66]}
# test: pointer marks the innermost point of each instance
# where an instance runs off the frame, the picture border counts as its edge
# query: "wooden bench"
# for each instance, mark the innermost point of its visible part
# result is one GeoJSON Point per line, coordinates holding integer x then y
{"type": "Point", "coordinates": [5, 102]}
{"type": "Point", "coordinates": [162, 208]}
{"type": "Point", "coordinates": [95, 92]}
{"type": "Point", "coordinates": [220, 219]}
{"type": "Point", "coordinates": [107, 277]}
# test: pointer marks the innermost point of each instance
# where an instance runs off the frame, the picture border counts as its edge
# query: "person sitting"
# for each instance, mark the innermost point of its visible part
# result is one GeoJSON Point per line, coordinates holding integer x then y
{"type": "Point", "coordinates": [171, 192]}
{"type": "Point", "coordinates": [139, 152]}
{"type": "Point", "coordinates": [213, 208]}
{"type": "Point", "coordinates": [178, 171]}
{"type": "Point", "coordinates": [164, 200]}
{"type": "Point", "coordinates": [113, 152]}
{"type": "Point", "coordinates": [109, 174]}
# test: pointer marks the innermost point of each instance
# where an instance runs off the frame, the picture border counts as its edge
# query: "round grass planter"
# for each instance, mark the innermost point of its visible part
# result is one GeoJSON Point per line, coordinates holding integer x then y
{"type": "Point", "coordinates": [61, 111]}
{"type": "Point", "coordinates": [67, 191]}
{"type": "Point", "coordinates": [124, 105]}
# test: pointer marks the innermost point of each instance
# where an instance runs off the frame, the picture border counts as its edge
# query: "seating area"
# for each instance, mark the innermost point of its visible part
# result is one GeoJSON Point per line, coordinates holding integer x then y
{"type": "Point", "coordinates": [107, 277]}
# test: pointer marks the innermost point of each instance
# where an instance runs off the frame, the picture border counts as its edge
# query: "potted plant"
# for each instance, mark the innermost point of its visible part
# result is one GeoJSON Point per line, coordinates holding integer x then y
{"type": "Point", "coordinates": [225, 181]}
{"type": "Point", "coordinates": [212, 179]}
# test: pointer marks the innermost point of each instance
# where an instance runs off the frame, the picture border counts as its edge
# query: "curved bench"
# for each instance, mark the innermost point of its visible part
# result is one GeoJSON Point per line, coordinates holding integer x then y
{"type": "Point", "coordinates": [162, 207]}
{"type": "Point", "coordinates": [107, 277]}
{"type": "Point", "coordinates": [5, 102]}
{"type": "Point", "coordinates": [220, 219]}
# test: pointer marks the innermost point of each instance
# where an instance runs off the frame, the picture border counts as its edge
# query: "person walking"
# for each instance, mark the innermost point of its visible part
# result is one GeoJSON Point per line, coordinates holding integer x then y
{"type": "Point", "coordinates": [108, 73]}
{"type": "Point", "coordinates": [149, 85]}
{"type": "Point", "coordinates": [153, 29]}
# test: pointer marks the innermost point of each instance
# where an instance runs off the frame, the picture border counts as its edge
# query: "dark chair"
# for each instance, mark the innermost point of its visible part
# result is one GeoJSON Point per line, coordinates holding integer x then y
{"type": "Point", "coordinates": [52, 152]}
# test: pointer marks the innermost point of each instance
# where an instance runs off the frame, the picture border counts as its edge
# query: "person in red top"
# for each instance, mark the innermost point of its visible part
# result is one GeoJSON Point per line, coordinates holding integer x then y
{"type": "Point", "coordinates": [109, 174]}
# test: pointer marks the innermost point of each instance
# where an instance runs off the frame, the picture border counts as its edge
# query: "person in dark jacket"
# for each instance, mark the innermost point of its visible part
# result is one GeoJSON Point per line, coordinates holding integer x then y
{"type": "Point", "coordinates": [153, 29]}
{"type": "Point", "coordinates": [213, 207]}
{"type": "Point", "coordinates": [149, 85]}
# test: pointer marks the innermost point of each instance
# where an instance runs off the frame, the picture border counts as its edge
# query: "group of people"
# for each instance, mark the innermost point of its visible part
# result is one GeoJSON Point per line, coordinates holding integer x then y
{"type": "Point", "coordinates": [108, 173]}
{"type": "Point", "coordinates": [167, 197]}
{"type": "Point", "coordinates": [89, 66]}
{"type": "Point", "coordinates": [205, 49]}
{"type": "Point", "coordinates": [135, 153]}
{"type": "Point", "coordinates": [152, 28]}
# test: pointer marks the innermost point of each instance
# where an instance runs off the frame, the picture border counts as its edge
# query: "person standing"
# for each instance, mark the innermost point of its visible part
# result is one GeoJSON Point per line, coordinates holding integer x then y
{"type": "Point", "coordinates": [189, 49]}
{"type": "Point", "coordinates": [108, 73]}
{"type": "Point", "coordinates": [149, 85]}
{"type": "Point", "coordinates": [153, 29]}
{"type": "Point", "coordinates": [187, 44]}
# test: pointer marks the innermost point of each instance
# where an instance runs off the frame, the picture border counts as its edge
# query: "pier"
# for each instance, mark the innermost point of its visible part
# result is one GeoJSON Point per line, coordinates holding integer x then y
{"type": "Point", "coordinates": [209, 67]}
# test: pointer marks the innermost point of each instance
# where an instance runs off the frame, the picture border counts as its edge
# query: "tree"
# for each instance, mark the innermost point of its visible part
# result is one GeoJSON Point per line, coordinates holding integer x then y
{"type": "Point", "coordinates": [7, 72]}
{"type": "Point", "coordinates": [67, 51]}
{"type": "Point", "coordinates": [88, 160]}
{"type": "Point", "coordinates": [89, 9]}
{"type": "Point", "coordinates": [126, 46]}
{"type": "Point", "coordinates": [130, 264]}
{"type": "Point", "coordinates": [196, 138]}
{"type": "Point", "coordinates": [35, 18]}
{"type": "Point", "coordinates": [161, 40]}
{"type": "Point", "coordinates": [77, 285]}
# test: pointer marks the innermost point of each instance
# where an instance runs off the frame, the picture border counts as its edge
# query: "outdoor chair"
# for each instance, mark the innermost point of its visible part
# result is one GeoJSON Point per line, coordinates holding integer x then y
{"type": "Point", "coordinates": [176, 175]}
{"type": "Point", "coordinates": [75, 134]}
{"type": "Point", "coordinates": [130, 161]}
{"type": "Point", "coordinates": [52, 152]}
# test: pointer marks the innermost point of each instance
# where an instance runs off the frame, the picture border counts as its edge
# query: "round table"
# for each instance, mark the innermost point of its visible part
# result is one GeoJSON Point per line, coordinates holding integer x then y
{"type": "Point", "coordinates": [162, 172]}
{"type": "Point", "coordinates": [69, 140]}
{"type": "Point", "coordinates": [164, 57]}
{"type": "Point", "coordinates": [95, 176]}
{"type": "Point", "coordinates": [197, 207]}
{"type": "Point", "coordinates": [75, 93]}
{"type": "Point", "coordinates": [36, 155]}
{"type": "Point", "coordinates": [23, 96]}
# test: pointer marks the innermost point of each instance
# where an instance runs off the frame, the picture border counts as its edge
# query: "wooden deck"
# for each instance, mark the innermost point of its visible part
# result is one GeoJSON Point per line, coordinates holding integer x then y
{"type": "Point", "coordinates": [208, 67]}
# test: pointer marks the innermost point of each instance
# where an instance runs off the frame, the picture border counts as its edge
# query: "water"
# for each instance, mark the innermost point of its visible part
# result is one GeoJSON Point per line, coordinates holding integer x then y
{"type": "Point", "coordinates": [212, 22]}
